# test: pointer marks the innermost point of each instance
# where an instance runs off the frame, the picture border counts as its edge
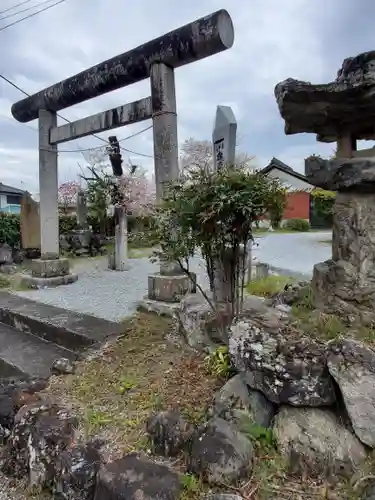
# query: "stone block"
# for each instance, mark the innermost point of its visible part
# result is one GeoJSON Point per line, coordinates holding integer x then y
{"type": "Point", "coordinates": [29, 281]}
{"type": "Point", "coordinates": [341, 173]}
{"type": "Point", "coordinates": [166, 309]}
{"type": "Point", "coordinates": [345, 285]}
{"type": "Point", "coordinates": [41, 268]}
{"type": "Point", "coordinates": [80, 237]}
{"type": "Point", "coordinates": [170, 288]}
{"type": "Point", "coordinates": [323, 108]}
{"type": "Point", "coordinates": [137, 477]}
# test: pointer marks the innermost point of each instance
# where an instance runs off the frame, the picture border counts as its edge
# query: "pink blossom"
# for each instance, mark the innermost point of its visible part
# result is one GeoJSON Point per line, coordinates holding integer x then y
{"type": "Point", "coordinates": [138, 192]}
{"type": "Point", "coordinates": [67, 194]}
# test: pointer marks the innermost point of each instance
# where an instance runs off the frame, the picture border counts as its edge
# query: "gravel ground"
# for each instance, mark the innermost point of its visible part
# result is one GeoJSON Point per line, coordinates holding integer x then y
{"type": "Point", "coordinates": [114, 295]}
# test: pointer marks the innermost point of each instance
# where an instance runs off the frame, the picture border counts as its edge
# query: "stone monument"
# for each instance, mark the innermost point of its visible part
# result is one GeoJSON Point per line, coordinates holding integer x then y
{"type": "Point", "coordinates": [81, 237]}
{"type": "Point", "coordinates": [224, 137]}
{"type": "Point", "coordinates": [30, 226]}
{"type": "Point", "coordinates": [342, 111]}
{"type": "Point", "coordinates": [82, 210]}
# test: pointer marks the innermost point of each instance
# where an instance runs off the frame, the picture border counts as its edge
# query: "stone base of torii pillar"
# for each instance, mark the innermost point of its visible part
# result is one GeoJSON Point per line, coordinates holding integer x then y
{"type": "Point", "coordinates": [46, 273]}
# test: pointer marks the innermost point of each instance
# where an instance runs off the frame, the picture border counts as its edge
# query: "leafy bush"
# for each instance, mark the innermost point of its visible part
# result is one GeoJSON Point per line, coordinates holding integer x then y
{"type": "Point", "coordinates": [277, 211]}
{"type": "Point", "coordinates": [67, 223]}
{"type": "Point", "coordinates": [323, 202]}
{"type": "Point", "coordinates": [301, 225]}
{"type": "Point", "coordinates": [214, 212]}
{"type": "Point", "coordinates": [10, 229]}
{"type": "Point", "coordinates": [219, 362]}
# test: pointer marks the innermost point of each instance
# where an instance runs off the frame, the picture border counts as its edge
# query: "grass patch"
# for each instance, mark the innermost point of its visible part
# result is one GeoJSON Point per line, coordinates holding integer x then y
{"type": "Point", "coordinates": [115, 393]}
{"type": "Point", "coordinates": [5, 282]}
{"type": "Point", "coordinates": [266, 287]}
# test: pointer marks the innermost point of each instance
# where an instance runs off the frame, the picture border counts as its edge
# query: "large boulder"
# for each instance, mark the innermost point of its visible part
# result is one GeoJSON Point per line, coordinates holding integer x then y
{"type": "Point", "coordinates": [76, 472]}
{"type": "Point", "coordinates": [285, 366]}
{"type": "Point", "coordinates": [169, 433]}
{"type": "Point", "coordinates": [352, 364]}
{"type": "Point", "coordinates": [199, 324]}
{"type": "Point", "coordinates": [203, 328]}
{"type": "Point", "coordinates": [136, 477]}
{"type": "Point", "coordinates": [220, 453]}
{"type": "Point", "coordinates": [13, 395]}
{"type": "Point", "coordinates": [236, 398]}
{"type": "Point", "coordinates": [314, 441]}
{"type": "Point", "coordinates": [16, 455]}
{"type": "Point", "coordinates": [49, 438]}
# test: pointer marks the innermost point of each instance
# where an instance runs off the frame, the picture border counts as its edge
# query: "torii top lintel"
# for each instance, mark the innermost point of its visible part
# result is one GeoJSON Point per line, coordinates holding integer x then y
{"type": "Point", "coordinates": [194, 41]}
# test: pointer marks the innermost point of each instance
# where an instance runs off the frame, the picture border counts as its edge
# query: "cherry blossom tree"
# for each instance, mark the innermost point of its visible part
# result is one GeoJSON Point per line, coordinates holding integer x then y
{"type": "Point", "coordinates": [67, 195]}
{"type": "Point", "coordinates": [135, 190]}
{"type": "Point", "coordinates": [198, 156]}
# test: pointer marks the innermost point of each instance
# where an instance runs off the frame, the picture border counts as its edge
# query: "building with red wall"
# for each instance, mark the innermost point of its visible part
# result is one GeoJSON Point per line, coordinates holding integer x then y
{"type": "Point", "coordinates": [298, 187]}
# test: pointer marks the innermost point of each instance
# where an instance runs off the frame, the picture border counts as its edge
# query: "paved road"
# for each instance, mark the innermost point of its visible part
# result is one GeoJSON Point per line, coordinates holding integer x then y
{"type": "Point", "coordinates": [114, 295]}
{"type": "Point", "coordinates": [297, 252]}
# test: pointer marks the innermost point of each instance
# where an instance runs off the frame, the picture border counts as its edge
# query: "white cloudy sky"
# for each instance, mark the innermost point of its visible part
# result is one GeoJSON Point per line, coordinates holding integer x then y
{"type": "Point", "coordinates": [274, 39]}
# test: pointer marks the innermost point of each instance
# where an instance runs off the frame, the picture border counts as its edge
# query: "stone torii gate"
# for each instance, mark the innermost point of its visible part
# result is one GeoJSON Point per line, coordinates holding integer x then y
{"type": "Point", "coordinates": [156, 60]}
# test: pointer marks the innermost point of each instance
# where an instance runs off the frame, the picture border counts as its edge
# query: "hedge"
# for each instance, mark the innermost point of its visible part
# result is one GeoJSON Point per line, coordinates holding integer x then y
{"type": "Point", "coordinates": [10, 229]}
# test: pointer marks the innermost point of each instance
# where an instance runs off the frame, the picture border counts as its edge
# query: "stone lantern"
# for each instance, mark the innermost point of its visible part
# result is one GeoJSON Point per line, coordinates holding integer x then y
{"type": "Point", "coordinates": [341, 112]}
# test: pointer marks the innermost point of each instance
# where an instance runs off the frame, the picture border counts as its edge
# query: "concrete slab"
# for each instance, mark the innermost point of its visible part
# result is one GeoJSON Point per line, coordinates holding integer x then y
{"type": "Point", "coordinates": [23, 355]}
{"type": "Point", "coordinates": [75, 331]}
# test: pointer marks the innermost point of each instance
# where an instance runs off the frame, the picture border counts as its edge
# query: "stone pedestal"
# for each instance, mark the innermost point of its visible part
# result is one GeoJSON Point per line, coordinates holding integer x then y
{"type": "Point", "coordinates": [48, 273]}
{"type": "Point", "coordinates": [167, 288]}
{"type": "Point", "coordinates": [345, 285]}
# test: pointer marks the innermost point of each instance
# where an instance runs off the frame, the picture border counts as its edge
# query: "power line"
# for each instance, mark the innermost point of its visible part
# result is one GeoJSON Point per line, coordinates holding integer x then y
{"type": "Point", "coordinates": [121, 140]}
{"type": "Point", "coordinates": [15, 6]}
{"type": "Point", "coordinates": [31, 15]}
{"type": "Point", "coordinates": [24, 10]}
{"type": "Point", "coordinates": [93, 135]}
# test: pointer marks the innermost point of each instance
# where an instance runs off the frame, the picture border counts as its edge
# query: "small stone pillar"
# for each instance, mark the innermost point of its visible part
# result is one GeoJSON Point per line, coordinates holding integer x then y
{"type": "Point", "coordinates": [170, 284]}
{"type": "Point", "coordinates": [224, 150]}
{"type": "Point", "coordinates": [82, 236]}
{"type": "Point", "coordinates": [121, 240]}
{"type": "Point", "coordinates": [342, 111]}
{"type": "Point", "coordinates": [49, 270]}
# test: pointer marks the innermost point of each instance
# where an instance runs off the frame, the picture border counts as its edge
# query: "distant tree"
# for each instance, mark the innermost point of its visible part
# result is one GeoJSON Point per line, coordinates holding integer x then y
{"type": "Point", "coordinates": [67, 195]}
{"type": "Point", "coordinates": [198, 156]}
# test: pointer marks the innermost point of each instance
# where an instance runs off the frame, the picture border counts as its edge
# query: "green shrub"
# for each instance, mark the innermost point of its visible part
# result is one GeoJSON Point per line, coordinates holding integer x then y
{"type": "Point", "coordinates": [67, 223]}
{"type": "Point", "coordinates": [267, 287]}
{"type": "Point", "coordinates": [301, 225]}
{"type": "Point", "coordinates": [140, 239]}
{"type": "Point", "coordinates": [10, 229]}
{"type": "Point", "coordinates": [219, 363]}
